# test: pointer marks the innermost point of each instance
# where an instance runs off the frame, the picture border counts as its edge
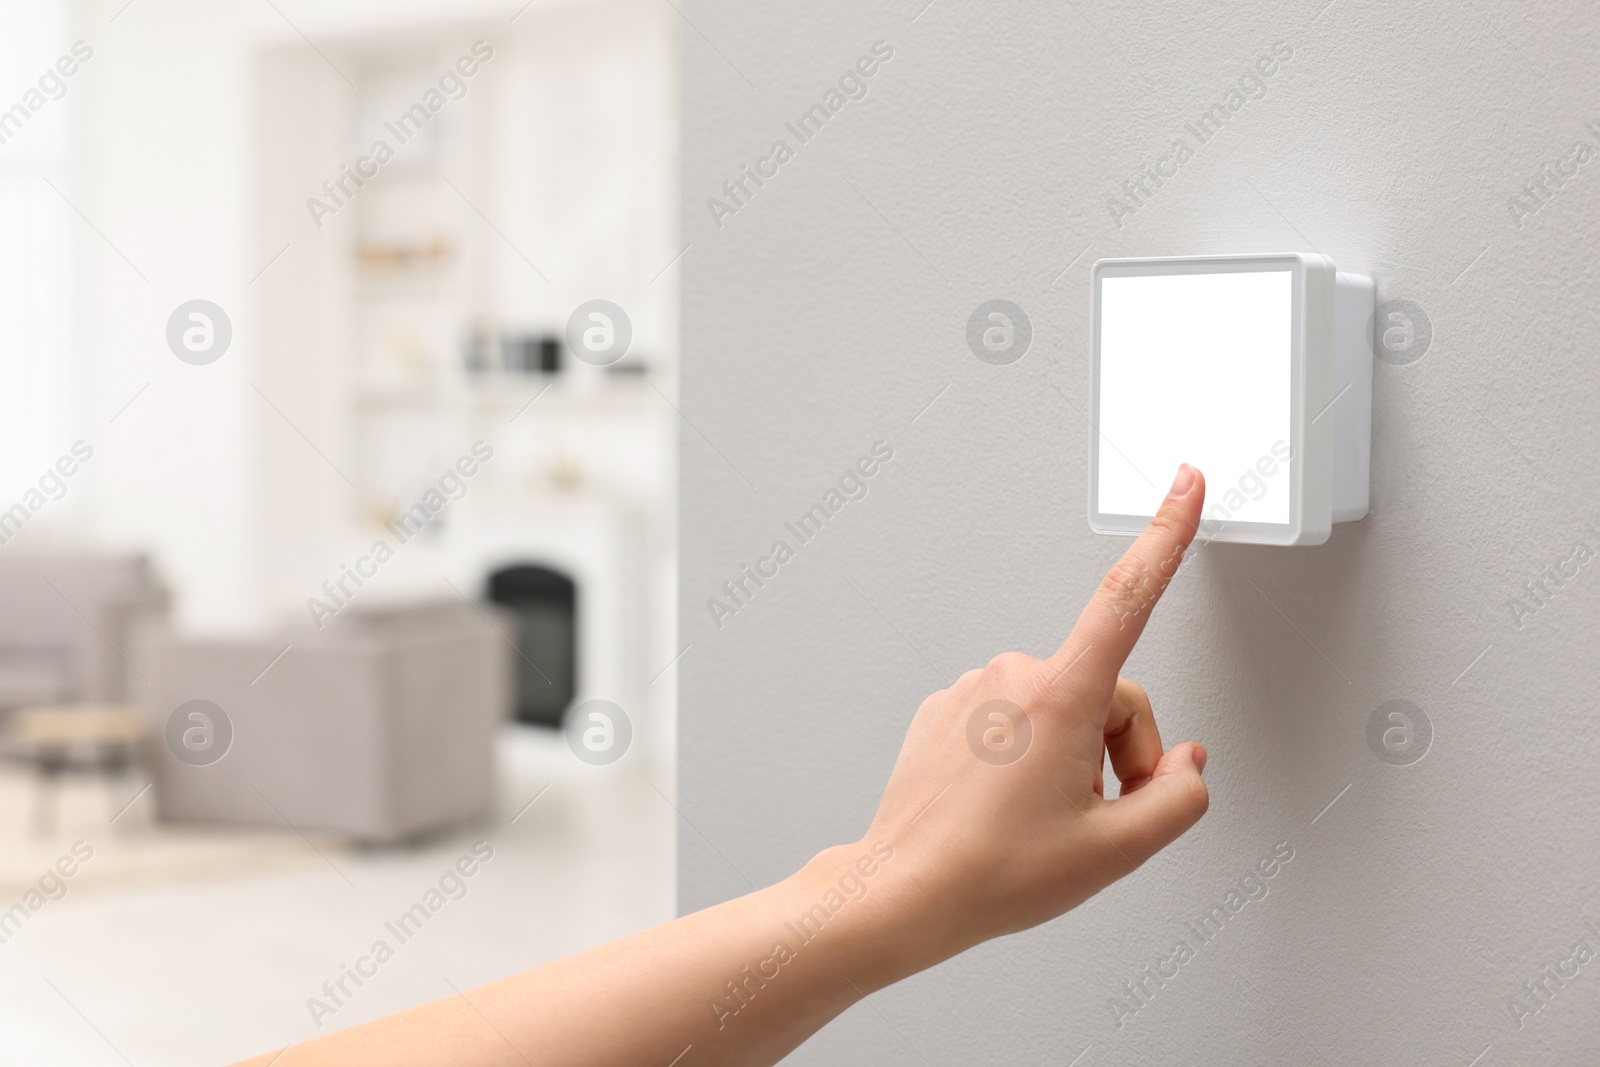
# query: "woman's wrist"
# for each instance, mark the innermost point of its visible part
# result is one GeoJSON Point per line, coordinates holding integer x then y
{"type": "Point", "coordinates": [868, 907]}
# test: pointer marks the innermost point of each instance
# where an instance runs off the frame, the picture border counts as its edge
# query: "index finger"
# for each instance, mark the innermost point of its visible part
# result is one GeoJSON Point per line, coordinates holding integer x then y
{"type": "Point", "coordinates": [1115, 616]}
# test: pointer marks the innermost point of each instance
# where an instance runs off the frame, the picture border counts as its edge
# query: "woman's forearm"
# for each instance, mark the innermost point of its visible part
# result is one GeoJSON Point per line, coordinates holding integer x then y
{"type": "Point", "coordinates": [994, 820]}
{"type": "Point", "coordinates": [743, 982]}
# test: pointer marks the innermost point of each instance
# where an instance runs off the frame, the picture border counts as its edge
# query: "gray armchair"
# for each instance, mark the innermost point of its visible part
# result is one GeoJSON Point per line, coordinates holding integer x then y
{"type": "Point", "coordinates": [68, 625]}
{"type": "Point", "coordinates": [377, 728]}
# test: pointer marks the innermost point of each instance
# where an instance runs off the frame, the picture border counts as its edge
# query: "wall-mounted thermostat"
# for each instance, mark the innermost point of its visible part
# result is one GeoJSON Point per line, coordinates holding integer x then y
{"type": "Point", "coordinates": [1255, 369]}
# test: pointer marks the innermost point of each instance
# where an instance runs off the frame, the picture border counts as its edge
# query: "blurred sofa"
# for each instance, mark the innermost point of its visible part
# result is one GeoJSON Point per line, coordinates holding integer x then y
{"type": "Point", "coordinates": [377, 728]}
{"type": "Point", "coordinates": [69, 623]}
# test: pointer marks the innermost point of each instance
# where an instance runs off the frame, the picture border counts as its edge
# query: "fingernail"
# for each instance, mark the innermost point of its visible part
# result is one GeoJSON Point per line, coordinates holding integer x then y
{"type": "Point", "coordinates": [1200, 758]}
{"type": "Point", "coordinates": [1183, 482]}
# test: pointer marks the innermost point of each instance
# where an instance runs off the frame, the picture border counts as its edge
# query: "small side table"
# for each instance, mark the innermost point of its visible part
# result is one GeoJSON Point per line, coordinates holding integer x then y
{"type": "Point", "coordinates": [100, 739]}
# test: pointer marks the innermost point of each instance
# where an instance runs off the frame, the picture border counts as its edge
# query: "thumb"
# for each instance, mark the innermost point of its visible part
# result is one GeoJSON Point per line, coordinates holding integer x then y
{"type": "Point", "coordinates": [1149, 819]}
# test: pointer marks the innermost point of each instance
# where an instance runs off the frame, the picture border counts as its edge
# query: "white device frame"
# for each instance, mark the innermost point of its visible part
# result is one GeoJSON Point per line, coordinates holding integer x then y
{"type": "Point", "coordinates": [1330, 396]}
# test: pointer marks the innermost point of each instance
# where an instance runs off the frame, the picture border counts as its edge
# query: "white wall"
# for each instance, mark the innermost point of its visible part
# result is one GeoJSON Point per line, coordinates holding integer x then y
{"type": "Point", "coordinates": [830, 310]}
{"type": "Point", "coordinates": [160, 174]}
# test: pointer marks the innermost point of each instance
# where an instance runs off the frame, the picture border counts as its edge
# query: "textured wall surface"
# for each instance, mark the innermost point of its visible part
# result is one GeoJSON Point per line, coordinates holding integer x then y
{"type": "Point", "coordinates": [827, 310]}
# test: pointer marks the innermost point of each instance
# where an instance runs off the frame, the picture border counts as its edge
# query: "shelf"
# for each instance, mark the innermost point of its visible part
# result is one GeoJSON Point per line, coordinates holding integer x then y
{"type": "Point", "coordinates": [392, 286]}
{"type": "Point", "coordinates": [623, 397]}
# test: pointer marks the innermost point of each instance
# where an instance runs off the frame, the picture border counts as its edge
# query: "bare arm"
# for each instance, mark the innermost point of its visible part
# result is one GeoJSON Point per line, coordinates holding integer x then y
{"type": "Point", "coordinates": [993, 821]}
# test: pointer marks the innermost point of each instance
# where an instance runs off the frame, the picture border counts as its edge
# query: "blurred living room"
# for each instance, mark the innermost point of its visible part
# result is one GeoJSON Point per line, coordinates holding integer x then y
{"type": "Point", "coordinates": [338, 475]}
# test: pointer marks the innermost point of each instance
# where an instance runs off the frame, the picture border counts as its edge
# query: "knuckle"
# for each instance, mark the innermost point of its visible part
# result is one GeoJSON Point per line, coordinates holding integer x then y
{"type": "Point", "coordinates": [1164, 521]}
{"type": "Point", "coordinates": [1010, 664]}
{"type": "Point", "coordinates": [1128, 588]}
{"type": "Point", "coordinates": [1125, 578]}
{"type": "Point", "coordinates": [1174, 537]}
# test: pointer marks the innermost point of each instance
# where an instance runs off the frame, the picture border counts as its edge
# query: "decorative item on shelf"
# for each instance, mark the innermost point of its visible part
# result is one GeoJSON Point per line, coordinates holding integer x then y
{"type": "Point", "coordinates": [566, 474]}
{"type": "Point", "coordinates": [388, 260]}
{"type": "Point", "coordinates": [410, 355]}
{"type": "Point", "coordinates": [531, 353]}
{"type": "Point", "coordinates": [378, 514]}
{"type": "Point", "coordinates": [480, 351]}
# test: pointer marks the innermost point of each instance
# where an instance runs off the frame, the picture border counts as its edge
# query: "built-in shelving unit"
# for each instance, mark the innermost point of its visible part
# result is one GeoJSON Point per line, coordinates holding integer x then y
{"type": "Point", "coordinates": [395, 335]}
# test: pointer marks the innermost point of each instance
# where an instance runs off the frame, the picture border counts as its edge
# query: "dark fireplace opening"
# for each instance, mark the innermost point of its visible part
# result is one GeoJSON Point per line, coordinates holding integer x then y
{"type": "Point", "coordinates": [544, 604]}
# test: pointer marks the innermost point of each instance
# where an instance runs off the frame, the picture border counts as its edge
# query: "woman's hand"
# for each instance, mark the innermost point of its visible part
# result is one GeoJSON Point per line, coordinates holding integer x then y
{"type": "Point", "coordinates": [995, 809]}
{"type": "Point", "coordinates": [993, 821]}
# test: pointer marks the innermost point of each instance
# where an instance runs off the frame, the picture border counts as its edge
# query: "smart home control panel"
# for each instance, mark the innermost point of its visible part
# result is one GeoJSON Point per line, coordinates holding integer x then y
{"type": "Point", "coordinates": [1255, 369]}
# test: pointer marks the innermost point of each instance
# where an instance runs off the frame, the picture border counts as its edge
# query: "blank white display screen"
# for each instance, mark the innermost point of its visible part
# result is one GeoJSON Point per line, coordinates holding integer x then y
{"type": "Point", "coordinates": [1195, 368]}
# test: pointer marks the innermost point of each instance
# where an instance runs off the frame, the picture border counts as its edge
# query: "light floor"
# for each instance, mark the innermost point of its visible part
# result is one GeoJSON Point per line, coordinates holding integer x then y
{"type": "Point", "coordinates": [220, 965]}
